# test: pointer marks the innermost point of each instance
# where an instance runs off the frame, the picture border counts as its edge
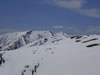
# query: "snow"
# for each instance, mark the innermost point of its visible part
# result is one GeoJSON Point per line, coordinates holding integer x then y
{"type": "Point", "coordinates": [12, 41]}
{"type": "Point", "coordinates": [64, 57]}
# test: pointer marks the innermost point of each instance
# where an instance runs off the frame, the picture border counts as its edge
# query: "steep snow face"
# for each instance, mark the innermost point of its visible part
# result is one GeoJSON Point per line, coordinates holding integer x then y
{"type": "Point", "coordinates": [65, 57]}
{"type": "Point", "coordinates": [16, 40]}
{"type": "Point", "coordinates": [8, 41]}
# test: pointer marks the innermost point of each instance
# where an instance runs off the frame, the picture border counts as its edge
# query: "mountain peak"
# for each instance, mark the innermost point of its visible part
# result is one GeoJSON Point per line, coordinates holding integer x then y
{"type": "Point", "coordinates": [15, 40]}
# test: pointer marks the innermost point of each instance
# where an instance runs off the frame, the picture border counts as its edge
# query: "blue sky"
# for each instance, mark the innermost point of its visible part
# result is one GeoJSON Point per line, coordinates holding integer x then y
{"type": "Point", "coordinates": [71, 16]}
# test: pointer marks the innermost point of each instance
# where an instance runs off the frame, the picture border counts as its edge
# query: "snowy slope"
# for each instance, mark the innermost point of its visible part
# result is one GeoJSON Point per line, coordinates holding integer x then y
{"type": "Point", "coordinates": [64, 57]}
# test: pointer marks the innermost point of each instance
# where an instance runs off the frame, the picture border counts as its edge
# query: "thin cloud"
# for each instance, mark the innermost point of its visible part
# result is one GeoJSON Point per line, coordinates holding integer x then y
{"type": "Point", "coordinates": [90, 12]}
{"type": "Point", "coordinates": [94, 29]}
{"type": "Point", "coordinates": [2, 31]}
{"type": "Point", "coordinates": [58, 27]}
{"type": "Point", "coordinates": [77, 6]}
{"type": "Point", "coordinates": [63, 27]}
{"type": "Point", "coordinates": [72, 4]}
{"type": "Point", "coordinates": [73, 29]}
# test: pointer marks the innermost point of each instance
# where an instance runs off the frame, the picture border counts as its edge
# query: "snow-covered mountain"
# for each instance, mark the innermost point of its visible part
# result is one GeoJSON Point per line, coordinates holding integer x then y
{"type": "Point", "coordinates": [16, 40]}
{"type": "Point", "coordinates": [47, 53]}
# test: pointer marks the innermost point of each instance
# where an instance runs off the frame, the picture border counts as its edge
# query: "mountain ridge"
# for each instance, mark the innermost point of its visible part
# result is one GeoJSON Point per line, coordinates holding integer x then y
{"type": "Point", "coordinates": [51, 54]}
{"type": "Point", "coordinates": [16, 40]}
